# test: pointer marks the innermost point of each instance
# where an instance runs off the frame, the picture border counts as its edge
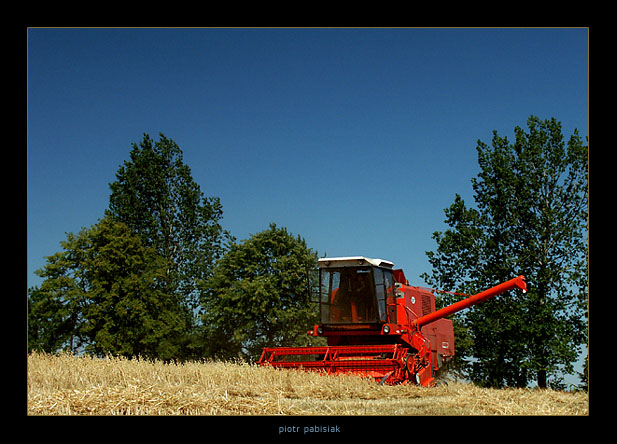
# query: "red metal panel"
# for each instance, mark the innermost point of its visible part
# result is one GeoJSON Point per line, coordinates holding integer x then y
{"type": "Point", "coordinates": [399, 276]}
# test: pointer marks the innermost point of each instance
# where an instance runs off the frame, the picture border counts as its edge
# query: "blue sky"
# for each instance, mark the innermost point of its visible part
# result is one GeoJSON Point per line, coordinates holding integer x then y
{"type": "Point", "coordinates": [355, 139]}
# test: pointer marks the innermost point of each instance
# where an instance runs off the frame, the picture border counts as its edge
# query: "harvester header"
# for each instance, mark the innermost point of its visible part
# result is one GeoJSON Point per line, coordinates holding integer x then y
{"type": "Point", "coordinates": [377, 325]}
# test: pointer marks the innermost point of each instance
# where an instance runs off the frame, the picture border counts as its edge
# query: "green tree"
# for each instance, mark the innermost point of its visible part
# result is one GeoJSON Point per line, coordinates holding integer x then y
{"type": "Point", "coordinates": [55, 310]}
{"type": "Point", "coordinates": [258, 295]}
{"type": "Point", "coordinates": [156, 196]}
{"type": "Point", "coordinates": [584, 375]}
{"type": "Point", "coordinates": [105, 291]}
{"type": "Point", "coordinates": [51, 321]}
{"type": "Point", "coordinates": [531, 219]}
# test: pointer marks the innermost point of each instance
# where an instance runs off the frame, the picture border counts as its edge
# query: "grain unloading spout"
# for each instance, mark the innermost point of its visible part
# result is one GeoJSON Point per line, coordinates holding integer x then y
{"type": "Point", "coordinates": [518, 282]}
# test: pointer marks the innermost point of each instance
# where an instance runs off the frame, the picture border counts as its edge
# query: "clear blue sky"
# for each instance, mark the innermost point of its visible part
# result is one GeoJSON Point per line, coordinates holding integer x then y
{"type": "Point", "coordinates": [355, 139]}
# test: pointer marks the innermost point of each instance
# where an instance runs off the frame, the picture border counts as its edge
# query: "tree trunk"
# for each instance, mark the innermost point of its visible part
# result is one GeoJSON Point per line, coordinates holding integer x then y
{"type": "Point", "coordinates": [542, 379]}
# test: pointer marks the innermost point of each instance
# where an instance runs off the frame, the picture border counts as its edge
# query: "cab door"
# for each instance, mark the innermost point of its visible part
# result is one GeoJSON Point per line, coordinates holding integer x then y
{"type": "Point", "coordinates": [384, 292]}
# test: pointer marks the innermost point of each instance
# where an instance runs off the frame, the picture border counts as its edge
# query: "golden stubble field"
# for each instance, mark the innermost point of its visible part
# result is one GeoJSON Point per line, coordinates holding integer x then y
{"type": "Point", "coordinates": [70, 385]}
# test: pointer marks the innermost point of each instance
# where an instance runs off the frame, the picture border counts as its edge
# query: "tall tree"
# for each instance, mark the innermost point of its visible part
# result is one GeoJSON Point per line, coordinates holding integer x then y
{"type": "Point", "coordinates": [258, 295]}
{"type": "Point", "coordinates": [156, 196]}
{"type": "Point", "coordinates": [530, 218]}
{"type": "Point", "coordinates": [104, 292]}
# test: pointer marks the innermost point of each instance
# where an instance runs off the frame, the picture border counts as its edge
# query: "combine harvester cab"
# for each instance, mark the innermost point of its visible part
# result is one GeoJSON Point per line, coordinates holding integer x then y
{"type": "Point", "coordinates": [376, 325]}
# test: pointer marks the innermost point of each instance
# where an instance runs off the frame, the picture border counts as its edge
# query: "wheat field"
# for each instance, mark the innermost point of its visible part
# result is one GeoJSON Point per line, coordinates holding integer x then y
{"type": "Point", "coordinates": [69, 385]}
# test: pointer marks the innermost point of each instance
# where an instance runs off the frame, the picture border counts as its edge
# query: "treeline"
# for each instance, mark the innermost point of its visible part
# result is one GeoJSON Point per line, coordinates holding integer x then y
{"type": "Point", "coordinates": [159, 277]}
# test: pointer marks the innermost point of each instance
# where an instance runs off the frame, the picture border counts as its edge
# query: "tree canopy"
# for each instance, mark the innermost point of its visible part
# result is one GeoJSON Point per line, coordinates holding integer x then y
{"type": "Point", "coordinates": [104, 291]}
{"type": "Point", "coordinates": [258, 295]}
{"type": "Point", "coordinates": [129, 284]}
{"type": "Point", "coordinates": [156, 196]}
{"type": "Point", "coordinates": [530, 218]}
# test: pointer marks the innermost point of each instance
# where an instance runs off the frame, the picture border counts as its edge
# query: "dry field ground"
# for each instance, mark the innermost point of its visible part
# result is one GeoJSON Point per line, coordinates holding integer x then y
{"type": "Point", "coordinates": [69, 385]}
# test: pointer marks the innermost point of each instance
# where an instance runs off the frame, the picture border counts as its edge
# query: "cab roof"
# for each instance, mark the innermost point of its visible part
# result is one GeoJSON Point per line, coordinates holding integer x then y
{"type": "Point", "coordinates": [352, 261]}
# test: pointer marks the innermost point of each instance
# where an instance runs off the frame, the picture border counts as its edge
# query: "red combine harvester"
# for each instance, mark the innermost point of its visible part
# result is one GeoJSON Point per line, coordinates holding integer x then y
{"type": "Point", "coordinates": [377, 325]}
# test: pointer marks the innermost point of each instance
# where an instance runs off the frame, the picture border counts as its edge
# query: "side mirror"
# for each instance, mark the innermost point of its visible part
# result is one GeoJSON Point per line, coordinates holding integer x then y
{"type": "Point", "coordinates": [312, 283]}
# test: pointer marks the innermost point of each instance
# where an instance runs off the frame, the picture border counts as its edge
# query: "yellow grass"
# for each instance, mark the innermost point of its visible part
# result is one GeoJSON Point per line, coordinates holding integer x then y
{"type": "Point", "coordinates": [69, 385]}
